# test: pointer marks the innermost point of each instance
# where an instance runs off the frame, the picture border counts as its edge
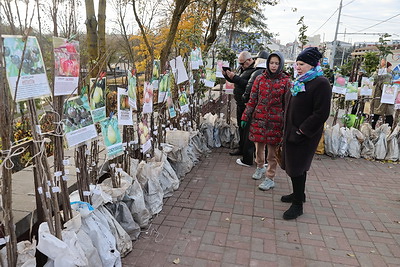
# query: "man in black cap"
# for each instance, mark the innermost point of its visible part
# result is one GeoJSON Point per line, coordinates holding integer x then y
{"type": "Point", "coordinates": [240, 80]}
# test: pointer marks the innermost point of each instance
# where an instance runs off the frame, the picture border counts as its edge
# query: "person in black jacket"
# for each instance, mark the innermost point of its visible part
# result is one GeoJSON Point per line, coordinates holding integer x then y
{"type": "Point", "coordinates": [260, 65]}
{"type": "Point", "coordinates": [307, 107]}
{"type": "Point", "coordinates": [240, 80]}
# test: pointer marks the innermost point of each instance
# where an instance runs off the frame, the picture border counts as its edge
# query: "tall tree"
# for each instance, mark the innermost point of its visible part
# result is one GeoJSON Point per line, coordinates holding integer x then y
{"type": "Point", "coordinates": [303, 39]}
{"type": "Point", "coordinates": [180, 6]}
{"type": "Point", "coordinates": [150, 49]}
{"type": "Point", "coordinates": [384, 49]}
{"type": "Point", "coordinates": [102, 32]}
{"type": "Point", "coordinates": [217, 14]}
{"type": "Point", "coordinates": [120, 6]}
{"type": "Point", "coordinates": [91, 31]}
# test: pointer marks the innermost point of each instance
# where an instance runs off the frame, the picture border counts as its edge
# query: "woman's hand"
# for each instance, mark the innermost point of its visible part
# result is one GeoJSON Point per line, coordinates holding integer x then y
{"type": "Point", "coordinates": [296, 136]}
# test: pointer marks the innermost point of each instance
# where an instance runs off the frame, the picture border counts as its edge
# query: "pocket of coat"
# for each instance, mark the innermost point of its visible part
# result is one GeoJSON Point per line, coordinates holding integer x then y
{"type": "Point", "coordinates": [295, 138]}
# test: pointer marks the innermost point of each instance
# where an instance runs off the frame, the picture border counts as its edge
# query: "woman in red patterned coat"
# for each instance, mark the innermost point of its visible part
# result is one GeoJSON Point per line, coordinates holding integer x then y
{"type": "Point", "coordinates": [265, 107]}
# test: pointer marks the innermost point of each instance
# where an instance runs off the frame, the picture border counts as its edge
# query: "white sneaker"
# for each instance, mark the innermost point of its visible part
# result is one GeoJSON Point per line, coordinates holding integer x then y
{"type": "Point", "coordinates": [239, 161]}
{"type": "Point", "coordinates": [267, 184]}
{"type": "Point", "coordinates": [260, 173]}
{"type": "Point", "coordinates": [266, 165]}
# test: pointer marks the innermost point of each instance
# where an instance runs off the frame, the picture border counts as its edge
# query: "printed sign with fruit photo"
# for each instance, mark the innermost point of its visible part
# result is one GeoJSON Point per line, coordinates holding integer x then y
{"type": "Point", "coordinates": [111, 136]}
{"type": "Point", "coordinates": [66, 66]}
{"type": "Point", "coordinates": [77, 121]}
{"type": "Point", "coordinates": [339, 85]}
{"type": "Point", "coordinates": [148, 98]}
{"type": "Point", "coordinates": [97, 99]}
{"type": "Point", "coordinates": [66, 57]}
{"type": "Point", "coordinates": [24, 63]}
{"type": "Point", "coordinates": [144, 135]}
{"type": "Point", "coordinates": [132, 89]}
{"type": "Point", "coordinates": [124, 109]}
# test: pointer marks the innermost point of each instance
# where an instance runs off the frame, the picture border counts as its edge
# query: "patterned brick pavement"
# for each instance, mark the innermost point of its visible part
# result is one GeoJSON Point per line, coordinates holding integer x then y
{"type": "Point", "coordinates": [218, 217]}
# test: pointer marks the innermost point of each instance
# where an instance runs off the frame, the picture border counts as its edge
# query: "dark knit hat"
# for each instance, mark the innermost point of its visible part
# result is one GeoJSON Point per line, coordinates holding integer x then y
{"type": "Point", "coordinates": [310, 55]}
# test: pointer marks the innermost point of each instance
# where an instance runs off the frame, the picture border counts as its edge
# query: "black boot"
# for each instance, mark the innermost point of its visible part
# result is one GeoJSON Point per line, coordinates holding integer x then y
{"type": "Point", "coordinates": [296, 209]}
{"type": "Point", "coordinates": [289, 198]}
{"type": "Point", "coordinates": [293, 212]}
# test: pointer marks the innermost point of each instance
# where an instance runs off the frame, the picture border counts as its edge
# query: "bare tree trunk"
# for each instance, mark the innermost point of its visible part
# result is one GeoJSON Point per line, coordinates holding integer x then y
{"type": "Point", "coordinates": [39, 20]}
{"type": "Point", "coordinates": [212, 36]}
{"type": "Point", "coordinates": [19, 17]}
{"type": "Point", "coordinates": [5, 173]}
{"type": "Point", "coordinates": [91, 28]}
{"type": "Point", "coordinates": [54, 14]}
{"type": "Point", "coordinates": [146, 41]}
{"type": "Point", "coordinates": [180, 6]}
{"type": "Point", "coordinates": [9, 14]}
{"type": "Point", "coordinates": [102, 31]}
{"type": "Point", "coordinates": [125, 36]}
{"type": "Point", "coordinates": [233, 22]}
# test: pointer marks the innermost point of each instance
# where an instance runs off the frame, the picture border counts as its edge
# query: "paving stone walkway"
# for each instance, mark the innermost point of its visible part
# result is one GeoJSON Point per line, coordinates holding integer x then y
{"type": "Point", "coordinates": [218, 217]}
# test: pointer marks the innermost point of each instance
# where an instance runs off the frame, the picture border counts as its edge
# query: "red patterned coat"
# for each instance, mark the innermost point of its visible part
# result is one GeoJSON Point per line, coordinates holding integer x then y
{"type": "Point", "coordinates": [265, 108]}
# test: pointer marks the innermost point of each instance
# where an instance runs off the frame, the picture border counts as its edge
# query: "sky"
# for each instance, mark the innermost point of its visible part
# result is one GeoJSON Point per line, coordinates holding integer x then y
{"type": "Point", "coordinates": [356, 17]}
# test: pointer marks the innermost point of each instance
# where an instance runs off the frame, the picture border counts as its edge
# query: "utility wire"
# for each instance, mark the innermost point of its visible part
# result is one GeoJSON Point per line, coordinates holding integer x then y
{"type": "Point", "coordinates": [348, 3]}
{"type": "Point", "coordinates": [331, 17]}
{"type": "Point", "coordinates": [325, 21]}
{"type": "Point", "coordinates": [379, 23]}
{"type": "Point", "coordinates": [364, 18]}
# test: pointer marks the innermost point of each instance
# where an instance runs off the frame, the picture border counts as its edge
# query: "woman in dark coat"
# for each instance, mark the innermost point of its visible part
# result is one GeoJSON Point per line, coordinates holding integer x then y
{"type": "Point", "coordinates": [265, 111]}
{"type": "Point", "coordinates": [307, 107]}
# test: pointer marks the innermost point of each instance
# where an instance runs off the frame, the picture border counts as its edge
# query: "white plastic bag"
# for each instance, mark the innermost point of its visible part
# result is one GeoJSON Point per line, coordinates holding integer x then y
{"type": "Point", "coordinates": [180, 161]}
{"type": "Point", "coordinates": [58, 251]}
{"type": "Point", "coordinates": [343, 142]}
{"type": "Point", "coordinates": [169, 180]}
{"type": "Point", "coordinates": [120, 211]}
{"type": "Point", "coordinates": [328, 140]}
{"type": "Point", "coordinates": [153, 193]}
{"type": "Point", "coordinates": [381, 143]}
{"type": "Point", "coordinates": [122, 239]}
{"type": "Point", "coordinates": [235, 135]}
{"type": "Point", "coordinates": [177, 138]}
{"type": "Point", "coordinates": [225, 134]}
{"type": "Point", "coordinates": [356, 138]}
{"type": "Point", "coordinates": [367, 146]}
{"type": "Point", "coordinates": [95, 225]}
{"type": "Point", "coordinates": [117, 193]}
{"type": "Point", "coordinates": [393, 145]}
{"type": "Point", "coordinates": [25, 254]}
{"type": "Point", "coordinates": [134, 199]}
{"type": "Point", "coordinates": [335, 140]}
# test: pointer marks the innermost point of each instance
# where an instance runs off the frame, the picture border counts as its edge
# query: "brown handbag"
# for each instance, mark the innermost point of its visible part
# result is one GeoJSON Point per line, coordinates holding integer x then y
{"type": "Point", "coordinates": [279, 154]}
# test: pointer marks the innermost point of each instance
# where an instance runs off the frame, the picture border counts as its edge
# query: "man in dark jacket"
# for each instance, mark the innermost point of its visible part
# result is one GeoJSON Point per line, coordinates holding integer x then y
{"type": "Point", "coordinates": [240, 80]}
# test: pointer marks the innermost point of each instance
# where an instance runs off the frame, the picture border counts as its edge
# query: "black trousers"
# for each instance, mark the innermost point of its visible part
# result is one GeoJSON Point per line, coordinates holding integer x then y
{"type": "Point", "coordinates": [246, 147]}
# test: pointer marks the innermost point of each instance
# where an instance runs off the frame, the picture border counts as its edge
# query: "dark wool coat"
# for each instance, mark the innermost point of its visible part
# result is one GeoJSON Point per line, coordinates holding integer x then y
{"type": "Point", "coordinates": [265, 108]}
{"type": "Point", "coordinates": [240, 81]}
{"type": "Point", "coordinates": [308, 112]}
